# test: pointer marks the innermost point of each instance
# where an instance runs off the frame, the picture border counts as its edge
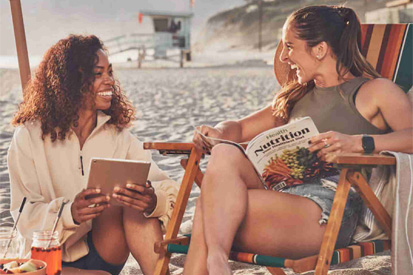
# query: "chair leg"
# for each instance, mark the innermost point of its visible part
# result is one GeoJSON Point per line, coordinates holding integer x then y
{"type": "Point", "coordinates": [275, 270]}
{"type": "Point", "coordinates": [199, 176]}
{"type": "Point", "coordinates": [371, 201]}
{"type": "Point", "coordinates": [179, 210]}
{"type": "Point", "coordinates": [333, 225]}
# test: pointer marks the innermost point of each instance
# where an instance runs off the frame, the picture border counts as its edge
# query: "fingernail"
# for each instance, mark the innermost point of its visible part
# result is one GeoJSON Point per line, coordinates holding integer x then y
{"type": "Point", "coordinates": [114, 195]}
{"type": "Point", "coordinates": [129, 185]}
{"type": "Point", "coordinates": [107, 198]}
{"type": "Point", "coordinates": [116, 189]}
{"type": "Point", "coordinates": [309, 142]}
{"type": "Point", "coordinates": [98, 190]}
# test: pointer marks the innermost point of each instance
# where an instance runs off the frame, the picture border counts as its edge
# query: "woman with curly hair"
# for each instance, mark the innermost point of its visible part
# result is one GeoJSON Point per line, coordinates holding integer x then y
{"type": "Point", "coordinates": [354, 109]}
{"type": "Point", "coordinates": [73, 110]}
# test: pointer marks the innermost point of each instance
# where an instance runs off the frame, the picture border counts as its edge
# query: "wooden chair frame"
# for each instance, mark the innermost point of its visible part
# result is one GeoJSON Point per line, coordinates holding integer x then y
{"type": "Point", "coordinates": [350, 165]}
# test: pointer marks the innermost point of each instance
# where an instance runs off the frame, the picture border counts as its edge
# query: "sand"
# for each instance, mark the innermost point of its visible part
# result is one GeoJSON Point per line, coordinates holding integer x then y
{"type": "Point", "coordinates": [170, 102]}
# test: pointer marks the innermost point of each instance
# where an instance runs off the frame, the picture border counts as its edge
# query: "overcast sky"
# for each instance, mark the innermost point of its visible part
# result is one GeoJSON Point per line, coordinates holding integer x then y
{"type": "Point", "coordinates": [46, 21]}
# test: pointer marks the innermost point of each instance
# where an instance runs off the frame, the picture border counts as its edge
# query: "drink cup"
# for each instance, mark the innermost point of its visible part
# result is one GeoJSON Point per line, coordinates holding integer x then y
{"type": "Point", "coordinates": [46, 247]}
{"type": "Point", "coordinates": [7, 238]}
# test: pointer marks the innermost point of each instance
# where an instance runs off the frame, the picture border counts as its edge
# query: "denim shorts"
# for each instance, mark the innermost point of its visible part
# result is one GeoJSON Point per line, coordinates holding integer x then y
{"type": "Point", "coordinates": [93, 261]}
{"type": "Point", "coordinates": [322, 192]}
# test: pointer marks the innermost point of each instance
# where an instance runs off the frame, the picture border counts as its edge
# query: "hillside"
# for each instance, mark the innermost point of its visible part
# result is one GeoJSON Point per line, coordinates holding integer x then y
{"type": "Point", "coordinates": [238, 28]}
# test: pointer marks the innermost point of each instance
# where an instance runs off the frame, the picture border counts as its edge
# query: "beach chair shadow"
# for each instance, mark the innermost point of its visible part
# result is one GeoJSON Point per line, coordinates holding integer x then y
{"type": "Point", "coordinates": [388, 48]}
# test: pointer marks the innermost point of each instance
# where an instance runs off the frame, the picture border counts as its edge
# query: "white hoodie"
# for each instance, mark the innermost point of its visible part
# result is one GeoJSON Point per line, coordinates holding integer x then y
{"type": "Point", "coordinates": [47, 173]}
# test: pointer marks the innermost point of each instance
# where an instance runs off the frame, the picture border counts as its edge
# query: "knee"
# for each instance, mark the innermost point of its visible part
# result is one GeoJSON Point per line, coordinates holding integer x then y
{"type": "Point", "coordinates": [224, 156]}
{"type": "Point", "coordinates": [130, 214]}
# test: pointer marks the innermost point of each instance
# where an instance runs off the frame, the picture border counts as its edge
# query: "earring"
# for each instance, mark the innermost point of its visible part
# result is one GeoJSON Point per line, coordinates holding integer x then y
{"type": "Point", "coordinates": [318, 57]}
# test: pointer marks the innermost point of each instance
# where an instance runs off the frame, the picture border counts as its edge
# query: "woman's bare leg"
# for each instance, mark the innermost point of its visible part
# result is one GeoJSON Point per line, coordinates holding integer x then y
{"type": "Point", "coordinates": [224, 202]}
{"type": "Point", "coordinates": [195, 262]}
{"type": "Point", "coordinates": [273, 226]}
{"type": "Point", "coordinates": [141, 235]}
{"type": "Point", "coordinates": [263, 221]}
{"type": "Point", "coordinates": [280, 225]}
{"type": "Point", "coordinates": [107, 233]}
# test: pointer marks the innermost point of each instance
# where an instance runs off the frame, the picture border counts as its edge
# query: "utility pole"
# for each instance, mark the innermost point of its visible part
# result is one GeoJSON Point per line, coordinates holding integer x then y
{"type": "Point", "coordinates": [259, 25]}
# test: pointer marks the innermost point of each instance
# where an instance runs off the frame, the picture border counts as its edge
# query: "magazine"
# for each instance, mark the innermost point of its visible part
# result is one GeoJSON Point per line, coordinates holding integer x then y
{"type": "Point", "coordinates": [280, 155]}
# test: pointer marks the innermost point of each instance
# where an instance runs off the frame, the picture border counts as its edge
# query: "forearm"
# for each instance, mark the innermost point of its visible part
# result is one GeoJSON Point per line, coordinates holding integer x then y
{"type": "Point", "coordinates": [399, 141]}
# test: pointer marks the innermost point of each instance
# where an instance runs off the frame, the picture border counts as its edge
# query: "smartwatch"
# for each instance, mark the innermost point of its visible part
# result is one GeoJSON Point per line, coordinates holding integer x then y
{"type": "Point", "coordinates": [368, 144]}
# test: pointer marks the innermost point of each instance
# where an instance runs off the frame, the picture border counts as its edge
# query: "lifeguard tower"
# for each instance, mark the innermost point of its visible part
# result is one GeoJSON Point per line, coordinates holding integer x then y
{"type": "Point", "coordinates": [172, 31]}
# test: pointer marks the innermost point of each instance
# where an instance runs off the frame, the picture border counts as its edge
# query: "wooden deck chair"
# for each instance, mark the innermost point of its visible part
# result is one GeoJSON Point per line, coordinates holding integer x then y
{"type": "Point", "coordinates": [389, 49]}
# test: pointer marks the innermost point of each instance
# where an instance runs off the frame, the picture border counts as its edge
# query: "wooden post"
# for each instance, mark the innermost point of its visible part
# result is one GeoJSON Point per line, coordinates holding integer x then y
{"type": "Point", "coordinates": [21, 45]}
{"type": "Point", "coordinates": [259, 25]}
{"type": "Point", "coordinates": [181, 59]}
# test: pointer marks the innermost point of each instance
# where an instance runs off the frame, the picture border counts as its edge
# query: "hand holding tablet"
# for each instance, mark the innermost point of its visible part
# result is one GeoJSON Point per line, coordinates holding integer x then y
{"type": "Point", "coordinates": [137, 196]}
{"type": "Point", "coordinates": [124, 181]}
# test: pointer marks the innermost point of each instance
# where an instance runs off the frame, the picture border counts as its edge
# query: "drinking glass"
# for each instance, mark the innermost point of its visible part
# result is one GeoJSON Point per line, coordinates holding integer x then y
{"type": "Point", "coordinates": [46, 247]}
{"type": "Point", "coordinates": [7, 238]}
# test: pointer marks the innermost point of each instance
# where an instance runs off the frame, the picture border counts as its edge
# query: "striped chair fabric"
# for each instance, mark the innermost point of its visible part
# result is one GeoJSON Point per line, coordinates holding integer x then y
{"type": "Point", "coordinates": [389, 49]}
{"type": "Point", "coordinates": [339, 256]}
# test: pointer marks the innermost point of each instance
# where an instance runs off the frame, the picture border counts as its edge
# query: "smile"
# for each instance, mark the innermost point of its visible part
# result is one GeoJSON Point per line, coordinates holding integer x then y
{"type": "Point", "coordinates": [107, 93]}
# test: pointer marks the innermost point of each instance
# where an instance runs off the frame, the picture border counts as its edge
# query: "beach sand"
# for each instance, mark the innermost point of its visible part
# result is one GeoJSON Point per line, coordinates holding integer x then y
{"type": "Point", "coordinates": [170, 102]}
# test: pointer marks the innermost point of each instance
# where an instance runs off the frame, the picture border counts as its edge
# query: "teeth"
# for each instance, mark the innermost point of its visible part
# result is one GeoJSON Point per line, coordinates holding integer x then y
{"type": "Point", "coordinates": [293, 67]}
{"type": "Point", "coordinates": [105, 93]}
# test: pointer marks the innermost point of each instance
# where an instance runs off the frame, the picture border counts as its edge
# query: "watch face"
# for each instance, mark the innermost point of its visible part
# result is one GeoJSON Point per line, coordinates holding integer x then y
{"type": "Point", "coordinates": [368, 144]}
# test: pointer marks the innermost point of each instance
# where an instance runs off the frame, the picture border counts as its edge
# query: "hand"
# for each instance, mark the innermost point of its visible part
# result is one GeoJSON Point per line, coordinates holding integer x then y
{"type": "Point", "coordinates": [331, 143]}
{"type": "Point", "coordinates": [140, 197]}
{"type": "Point", "coordinates": [88, 204]}
{"type": "Point", "coordinates": [200, 142]}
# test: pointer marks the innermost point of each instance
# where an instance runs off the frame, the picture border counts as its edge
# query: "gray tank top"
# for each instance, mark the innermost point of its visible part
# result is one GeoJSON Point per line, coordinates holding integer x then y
{"type": "Point", "coordinates": [335, 111]}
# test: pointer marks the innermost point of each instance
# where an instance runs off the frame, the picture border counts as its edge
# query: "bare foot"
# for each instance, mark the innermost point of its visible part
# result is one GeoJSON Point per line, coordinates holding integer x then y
{"type": "Point", "coordinates": [218, 264]}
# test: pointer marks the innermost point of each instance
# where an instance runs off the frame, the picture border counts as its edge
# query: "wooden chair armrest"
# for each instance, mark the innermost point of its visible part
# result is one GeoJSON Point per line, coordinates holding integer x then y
{"type": "Point", "coordinates": [353, 159]}
{"type": "Point", "coordinates": [169, 147]}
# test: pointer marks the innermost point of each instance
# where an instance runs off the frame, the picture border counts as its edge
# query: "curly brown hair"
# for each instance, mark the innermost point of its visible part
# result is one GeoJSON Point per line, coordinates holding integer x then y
{"type": "Point", "coordinates": [63, 83]}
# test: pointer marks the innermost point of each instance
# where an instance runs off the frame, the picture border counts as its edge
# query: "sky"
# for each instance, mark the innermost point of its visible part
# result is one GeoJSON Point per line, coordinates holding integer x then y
{"type": "Point", "coordinates": [47, 21]}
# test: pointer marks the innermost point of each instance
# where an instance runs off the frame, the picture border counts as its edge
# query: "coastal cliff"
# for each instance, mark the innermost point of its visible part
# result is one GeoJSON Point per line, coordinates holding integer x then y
{"type": "Point", "coordinates": [238, 28]}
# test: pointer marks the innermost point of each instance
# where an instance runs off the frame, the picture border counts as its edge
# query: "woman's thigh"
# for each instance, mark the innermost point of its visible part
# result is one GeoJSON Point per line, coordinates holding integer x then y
{"type": "Point", "coordinates": [281, 225]}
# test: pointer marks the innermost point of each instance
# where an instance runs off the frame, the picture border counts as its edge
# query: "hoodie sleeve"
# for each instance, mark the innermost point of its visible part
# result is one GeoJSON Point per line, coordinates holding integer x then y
{"type": "Point", "coordinates": [166, 189]}
{"type": "Point", "coordinates": [39, 212]}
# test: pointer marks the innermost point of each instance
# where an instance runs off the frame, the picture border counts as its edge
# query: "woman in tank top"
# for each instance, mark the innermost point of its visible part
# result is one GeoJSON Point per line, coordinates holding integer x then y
{"type": "Point", "coordinates": [322, 44]}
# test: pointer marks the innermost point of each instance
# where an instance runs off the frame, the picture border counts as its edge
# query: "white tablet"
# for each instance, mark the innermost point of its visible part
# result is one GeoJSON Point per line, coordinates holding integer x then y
{"type": "Point", "coordinates": [106, 174]}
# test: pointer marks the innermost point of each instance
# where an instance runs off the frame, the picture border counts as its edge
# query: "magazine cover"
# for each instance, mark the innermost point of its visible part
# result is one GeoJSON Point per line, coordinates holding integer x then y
{"type": "Point", "coordinates": [281, 157]}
